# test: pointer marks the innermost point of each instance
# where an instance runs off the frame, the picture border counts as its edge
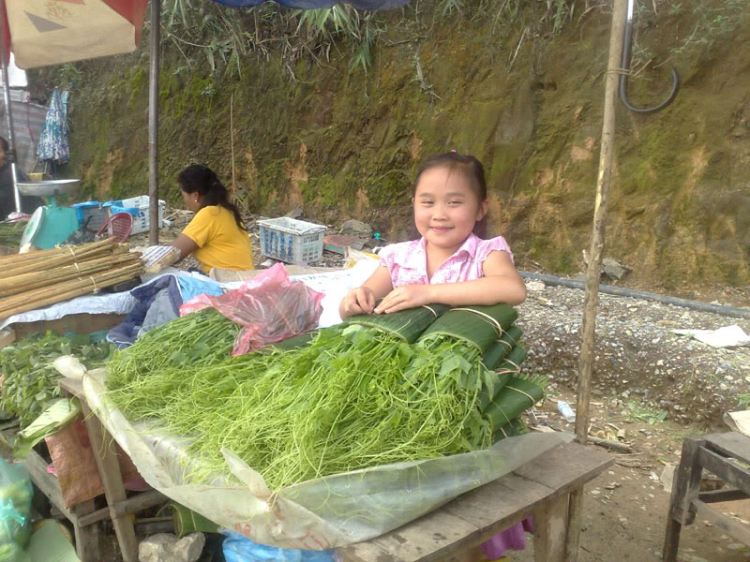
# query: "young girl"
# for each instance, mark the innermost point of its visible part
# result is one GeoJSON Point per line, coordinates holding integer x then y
{"type": "Point", "coordinates": [450, 264]}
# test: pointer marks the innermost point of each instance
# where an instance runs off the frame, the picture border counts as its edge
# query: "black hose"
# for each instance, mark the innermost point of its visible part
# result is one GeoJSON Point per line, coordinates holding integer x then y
{"type": "Point", "coordinates": [621, 292]}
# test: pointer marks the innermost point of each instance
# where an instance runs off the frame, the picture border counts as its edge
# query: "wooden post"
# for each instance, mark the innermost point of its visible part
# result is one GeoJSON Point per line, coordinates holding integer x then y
{"type": "Point", "coordinates": [231, 144]}
{"type": "Point", "coordinates": [591, 300]}
{"type": "Point", "coordinates": [12, 155]}
{"type": "Point", "coordinates": [153, 126]}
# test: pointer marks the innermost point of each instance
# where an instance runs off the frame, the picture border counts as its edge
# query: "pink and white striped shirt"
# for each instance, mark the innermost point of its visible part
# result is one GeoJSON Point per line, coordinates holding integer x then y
{"type": "Point", "coordinates": [407, 261]}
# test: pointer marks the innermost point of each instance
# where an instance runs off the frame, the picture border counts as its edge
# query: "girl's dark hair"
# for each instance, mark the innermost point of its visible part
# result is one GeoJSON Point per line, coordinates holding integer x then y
{"type": "Point", "coordinates": [470, 168]}
{"type": "Point", "coordinates": [4, 144]}
{"type": "Point", "coordinates": [202, 179]}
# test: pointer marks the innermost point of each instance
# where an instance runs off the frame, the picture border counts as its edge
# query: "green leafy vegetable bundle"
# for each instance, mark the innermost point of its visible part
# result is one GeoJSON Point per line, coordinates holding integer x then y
{"type": "Point", "coordinates": [11, 233]}
{"type": "Point", "coordinates": [30, 381]}
{"type": "Point", "coordinates": [382, 389]}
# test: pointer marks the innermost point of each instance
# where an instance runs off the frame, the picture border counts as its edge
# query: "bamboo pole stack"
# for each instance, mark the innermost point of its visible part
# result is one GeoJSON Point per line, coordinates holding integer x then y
{"type": "Point", "coordinates": [38, 279]}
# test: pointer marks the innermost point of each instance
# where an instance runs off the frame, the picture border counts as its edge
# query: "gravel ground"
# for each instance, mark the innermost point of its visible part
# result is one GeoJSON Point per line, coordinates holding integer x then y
{"type": "Point", "coordinates": [638, 357]}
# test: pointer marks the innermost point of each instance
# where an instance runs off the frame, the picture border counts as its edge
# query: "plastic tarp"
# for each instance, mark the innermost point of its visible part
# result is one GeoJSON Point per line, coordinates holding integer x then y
{"type": "Point", "coordinates": [319, 514]}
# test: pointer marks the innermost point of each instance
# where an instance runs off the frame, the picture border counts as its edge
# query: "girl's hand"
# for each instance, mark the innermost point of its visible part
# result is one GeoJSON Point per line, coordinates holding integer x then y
{"type": "Point", "coordinates": [407, 296]}
{"type": "Point", "coordinates": [357, 301]}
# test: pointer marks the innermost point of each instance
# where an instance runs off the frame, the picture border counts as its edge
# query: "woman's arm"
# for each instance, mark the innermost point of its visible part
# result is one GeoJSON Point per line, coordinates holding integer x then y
{"type": "Point", "coordinates": [362, 299]}
{"type": "Point", "coordinates": [501, 283]}
{"type": "Point", "coordinates": [185, 245]}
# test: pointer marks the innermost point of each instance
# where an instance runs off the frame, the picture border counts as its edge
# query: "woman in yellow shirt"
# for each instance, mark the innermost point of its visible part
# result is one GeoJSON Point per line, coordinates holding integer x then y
{"type": "Point", "coordinates": [216, 235]}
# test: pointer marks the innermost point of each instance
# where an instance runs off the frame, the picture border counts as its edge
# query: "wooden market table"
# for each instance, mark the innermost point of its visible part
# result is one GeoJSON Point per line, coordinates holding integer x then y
{"type": "Point", "coordinates": [84, 515]}
{"type": "Point", "coordinates": [453, 533]}
{"type": "Point", "coordinates": [119, 507]}
{"type": "Point", "coordinates": [727, 455]}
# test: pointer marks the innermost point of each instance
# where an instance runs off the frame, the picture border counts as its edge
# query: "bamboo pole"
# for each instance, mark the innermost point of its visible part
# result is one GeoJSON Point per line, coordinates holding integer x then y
{"type": "Point", "coordinates": [12, 155]}
{"type": "Point", "coordinates": [153, 125]}
{"type": "Point", "coordinates": [53, 262]}
{"type": "Point", "coordinates": [68, 290]}
{"type": "Point", "coordinates": [33, 297]}
{"type": "Point", "coordinates": [26, 282]}
{"type": "Point", "coordinates": [64, 286]}
{"type": "Point", "coordinates": [45, 254]}
{"type": "Point", "coordinates": [231, 144]}
{"type": "Point", "coordinates": [591, 300]}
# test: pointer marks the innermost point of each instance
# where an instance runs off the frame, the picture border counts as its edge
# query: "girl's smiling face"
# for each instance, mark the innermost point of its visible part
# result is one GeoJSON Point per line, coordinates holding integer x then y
{"type": "Point", "coordinates": [446, 207]}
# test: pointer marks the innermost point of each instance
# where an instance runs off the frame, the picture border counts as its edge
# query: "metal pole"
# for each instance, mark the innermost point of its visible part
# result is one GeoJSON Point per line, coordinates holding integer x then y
{"type": "Point", "coordinates": [6, 95]}
{"type": "Point", "coordinates": [153, 126]}
{"type": "Point", "coordinates": [591, 300]}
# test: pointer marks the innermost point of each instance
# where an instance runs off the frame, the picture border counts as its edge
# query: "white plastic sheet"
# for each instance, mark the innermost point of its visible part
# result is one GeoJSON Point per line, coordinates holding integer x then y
{"type": "Point", "coordinates": [318, 514]}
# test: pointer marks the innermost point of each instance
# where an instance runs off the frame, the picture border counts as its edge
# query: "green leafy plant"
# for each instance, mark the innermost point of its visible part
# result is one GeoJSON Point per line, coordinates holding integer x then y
{"type": "Point", "coordinates": [644, 414]}
{"type": "Point", "coordinates": [30, 381]}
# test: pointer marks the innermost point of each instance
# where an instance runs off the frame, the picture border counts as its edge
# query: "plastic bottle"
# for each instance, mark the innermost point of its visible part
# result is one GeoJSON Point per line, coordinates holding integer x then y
{"type": "Point", "coordinates": [566, 411]}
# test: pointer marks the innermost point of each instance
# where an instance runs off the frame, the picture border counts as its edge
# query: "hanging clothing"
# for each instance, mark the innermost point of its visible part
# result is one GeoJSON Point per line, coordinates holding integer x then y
{"type": "Point", "coordinates": [53, 144]}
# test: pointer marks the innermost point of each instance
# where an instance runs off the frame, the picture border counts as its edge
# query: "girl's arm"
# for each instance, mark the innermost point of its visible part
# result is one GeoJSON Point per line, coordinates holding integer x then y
{"type": "Point", "coordinates": [362, 299]}
{"type": "Point", "coordinates": [501, 283]}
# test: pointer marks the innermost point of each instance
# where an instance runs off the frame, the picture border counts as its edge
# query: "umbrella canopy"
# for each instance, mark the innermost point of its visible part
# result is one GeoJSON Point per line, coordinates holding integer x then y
{"type": "Point", "coordinates": [45, 32]}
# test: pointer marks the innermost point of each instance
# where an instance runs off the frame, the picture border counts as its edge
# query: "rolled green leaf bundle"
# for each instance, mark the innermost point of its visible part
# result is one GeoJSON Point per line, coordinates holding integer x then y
{"type": "Point", "coordinates": [512, 363]}
{"type": "Point", "coordinates": [407, 324]}
{"type": "Point", "coordinates": [500, 349]}
{"type": "Point", "coordinates": [479, 326]}
{"type": "Point", "coordinates": [510, 366]}
{"type": "Point", "coordinates": [514, 428]}
{"type": "Point", "coordinates": [519, 394]}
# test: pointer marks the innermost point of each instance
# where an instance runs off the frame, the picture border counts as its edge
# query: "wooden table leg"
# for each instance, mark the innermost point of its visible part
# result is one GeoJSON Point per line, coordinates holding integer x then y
{"type": "Point", "coordinates": [551, 529]}
{"type": "Point", "coordinates": [102, 446]}
{"type": "Point", "coordinates": [685, 486]}
{"type": "Point", "coordinates": [87, 536]}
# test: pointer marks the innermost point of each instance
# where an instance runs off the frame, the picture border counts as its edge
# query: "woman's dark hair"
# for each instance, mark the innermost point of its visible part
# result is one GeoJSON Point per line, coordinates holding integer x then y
{"type": "Point", "coordinates": [4, 144]}
{"type": "Point", "coordinates": [470, 168]}
{"type": "Point", "coordinates": [202, 179]}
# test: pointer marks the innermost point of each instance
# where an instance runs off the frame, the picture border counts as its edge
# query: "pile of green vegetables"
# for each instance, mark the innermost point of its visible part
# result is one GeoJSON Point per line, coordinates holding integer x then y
{"type": "Point", "coordinates": [11, 233]}
{"type": "Point", "coordinates": [380, 389]}
{"type": "Point", "coordinates": [30, 381]}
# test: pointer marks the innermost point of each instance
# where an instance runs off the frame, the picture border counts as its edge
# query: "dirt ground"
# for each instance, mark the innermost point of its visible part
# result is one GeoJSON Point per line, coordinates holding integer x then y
{"type": "Point", "coordinates": [625, 508]}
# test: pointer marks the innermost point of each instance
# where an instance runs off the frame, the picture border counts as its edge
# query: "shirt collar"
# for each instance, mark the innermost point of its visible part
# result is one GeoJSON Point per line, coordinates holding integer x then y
{"type": "Point", "coordinates": [469, 246]}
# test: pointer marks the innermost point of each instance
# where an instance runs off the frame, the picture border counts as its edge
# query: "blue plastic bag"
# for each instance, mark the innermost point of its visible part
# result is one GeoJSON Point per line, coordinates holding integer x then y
{"type": "Point", "coordinates": [241, 549]}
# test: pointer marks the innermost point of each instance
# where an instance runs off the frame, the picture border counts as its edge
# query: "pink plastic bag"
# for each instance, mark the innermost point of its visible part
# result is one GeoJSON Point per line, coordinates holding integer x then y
{"type": "Point", "coordinates": [270, 307]}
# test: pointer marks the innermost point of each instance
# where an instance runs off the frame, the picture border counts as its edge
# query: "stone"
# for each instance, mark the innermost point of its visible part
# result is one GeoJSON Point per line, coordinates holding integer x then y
{"type": "Point", "coordinates": [157, 548]}
{"type": "Point", "coordinates": [357, 228]}
{"type": "Point", "coordinates": [535, 286]}
{"type": "Point", "coordinates": [189, 548]}
{"type": "Point", "coordinates": [295, 213]}
{"type": "Point", "coordinates": [613, 269]}
{"type": "Point", "coordinates": [667, 477]}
